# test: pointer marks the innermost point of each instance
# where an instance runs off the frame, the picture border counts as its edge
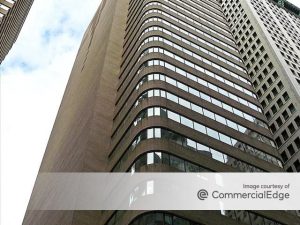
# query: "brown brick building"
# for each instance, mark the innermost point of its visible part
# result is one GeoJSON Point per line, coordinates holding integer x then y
{"type": "Point", "coordinates": [162, 86]}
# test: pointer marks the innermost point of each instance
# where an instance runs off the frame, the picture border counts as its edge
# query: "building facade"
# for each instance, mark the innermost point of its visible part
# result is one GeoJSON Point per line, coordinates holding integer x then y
{"type": "Point", "coordinates": [12, 16]}
{"type": "Point", "coordinates": [161, 86]}
{"type": "Point", "coordinates": [267, 34]}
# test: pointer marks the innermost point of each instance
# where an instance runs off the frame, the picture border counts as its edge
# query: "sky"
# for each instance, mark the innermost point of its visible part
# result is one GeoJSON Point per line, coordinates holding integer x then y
{"type": "Point", "coordinates": [33, 78]}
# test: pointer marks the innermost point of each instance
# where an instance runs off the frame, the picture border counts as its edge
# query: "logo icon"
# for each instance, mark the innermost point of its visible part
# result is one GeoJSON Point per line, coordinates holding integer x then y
{"type": "Point", "coordinates": [202, 194]}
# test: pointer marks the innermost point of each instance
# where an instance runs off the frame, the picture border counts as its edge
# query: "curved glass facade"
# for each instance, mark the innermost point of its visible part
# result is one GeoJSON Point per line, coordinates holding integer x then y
{"type": "Point", "coordinates": [188, 144]}
{"type": "Point", "coordinates": [185, 102]}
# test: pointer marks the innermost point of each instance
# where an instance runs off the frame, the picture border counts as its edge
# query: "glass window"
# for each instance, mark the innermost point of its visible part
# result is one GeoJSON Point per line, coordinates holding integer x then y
{"type": "Point", "coordinates": [150, 112]}
{"type": "Point", "coordinates": [213, 87]}
{"type": "Point", "coordinates": [190, 167]}
{"type": "Point", "coordinates": [156, 93]}
{"type": "Point", "coordinates": [242, 129]}
{"type": "Point", "coordinates": [194, 92]}
{"type": "Point", "coordinates": [200, 128]}
{"type": "Point", "coordinates": [205, 97]}
{"type": "Point", "coordinates": [176, 138]}
{"type": "Point", "coordinates": [226, 159]}
{"type": "Point", "coordinates": [150, 158]}
{"type": "Point", "coordinates": [148, 219]}
{"type": "Point", "coordinates": [225, 138]}
{"type": "Point", "coordinates": [188, 63]}
{"type": "Point", "coordinates": [192, 77]}
{"type": "Point", "coordinates": [184, 103]}
{"type": "Point", "coordinates": [171, 81]}
{"type": "Point", "coordinates": [204, 83]}
{"type": "Point", "coordinates": [150, 93]}
{"type": "Point", "coordinates": [220, 119]}
{"type": "Point", "coordinates": [182, 86]}
{"type": "Point", "coordinates": [238, 112]}
{"type": "Point", "coordinates": [216, 102]}
{"type": "Point", "coordinates": [172, 97]}
{"type": "Point", "coordinates": [232, 124]}
{"type": "Point", "coordinates": [150, 77]}
{"type": "Point", "coordinates": [202, 148]}
{"type": "Point", "coordinates": [217, 155]}
{"type": "Point", "coordinates": [179, 221]}
{"type": "Point", "coordinates": [157, 132]}
{"type": "Point", "coordinates": [200, 69]}
{"type": "Point", "coordinates": [208, 114]}
{"type": "Point", "coordinates": [141, 162]}
{"type": "Point", "coordinates": [212, 133]}
{"type": "Point", "coordinates": [234, 97]}
{"type": "Point", "coordinates": [177, 162]}
{"type": "Point", "coordinates": [157, 111]}
{"type": "Point", "coordinates": [223, 92]}
{"type": "Point", "coordinates": [150, 133]}
{"type": "Point", "coordinates": [197, 108]}
{"type": "Point", "coordinates": [233, 141]}
{"type": "Point", "coordinates": [173, 116]}
{"type": "Point", "coordinates": [187, 122]}
{"type": "Point", "coordinates": [190, 143]}
{"type": "Point", "coordinates": [165, 159]}
{"type": "Point", "coordinates": [179, 59]}
{"type": "Point", "coordinates": [157, 157]}
{"type": "Point", "coordinates": [227, 107]}
{"type": "Point", "coordinates": [163, 113]}
{"type": "Point", "coordinates": [180, 71]}
{"type": "Point", "coordinates": [168, 220]}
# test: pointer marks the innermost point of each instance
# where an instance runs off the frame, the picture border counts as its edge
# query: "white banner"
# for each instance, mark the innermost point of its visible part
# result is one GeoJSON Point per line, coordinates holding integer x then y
{"type": "Point", "coordinates": [166, 191]}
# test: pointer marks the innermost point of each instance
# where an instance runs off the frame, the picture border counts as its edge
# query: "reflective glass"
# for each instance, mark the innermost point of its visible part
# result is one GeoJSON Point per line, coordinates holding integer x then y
{"type": "Point", "coordinates": [173, 116]}
{"type": "Point", "coordinates": [200, 128]}
{"type": "Point", "coordinates": [187, 122]}
{"type": "Point", "coordinates": [212, 133]}
{"type": "Point", "coordinates": [177, 163]}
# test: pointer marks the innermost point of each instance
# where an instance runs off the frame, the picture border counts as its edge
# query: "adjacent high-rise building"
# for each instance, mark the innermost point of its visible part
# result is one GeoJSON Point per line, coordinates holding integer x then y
{"type": "Point", "coordinates": [167, 86]}
{"type": "Point", "coordinates": [12, 16]}
{"type": "Point", "coordinates": [267, 34]}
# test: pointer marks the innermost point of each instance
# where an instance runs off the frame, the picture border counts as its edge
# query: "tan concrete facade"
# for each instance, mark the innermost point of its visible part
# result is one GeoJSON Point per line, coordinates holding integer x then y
{"type": "Point", "coordinates": [78, 142]}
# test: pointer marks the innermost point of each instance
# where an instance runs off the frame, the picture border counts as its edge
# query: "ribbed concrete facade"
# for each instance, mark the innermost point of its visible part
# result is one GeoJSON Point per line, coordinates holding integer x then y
{"type": "Point", "coordinates": [12, 16]}
{"type": "Point", "coordinates": [160, 86]}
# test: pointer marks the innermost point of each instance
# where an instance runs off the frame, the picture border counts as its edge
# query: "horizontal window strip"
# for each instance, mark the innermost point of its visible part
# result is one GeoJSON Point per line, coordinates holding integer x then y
{"type": "Point", "coordinates": [198, 109]}
{"type": "Point", "coordinates": [163, 158]}
{"type": "Point", "coordinates": [198, 68]}
{"type": "Point", "coordinates": [186, 18]}
{"type": "Point", "coordinates": [191, 13]}
{"type": "Point", "coordinates": [188, 144]}
{"type": "Point", "coordinates": [170, 43]}
{"type": "Point", "coordinates": [166, 113]}
{"type": "Point", "coordinates": [180, 85]}
{"type": "Point", "coordinates": [206, 34]}
{"type": "Point", "coordinates": [161, 29]}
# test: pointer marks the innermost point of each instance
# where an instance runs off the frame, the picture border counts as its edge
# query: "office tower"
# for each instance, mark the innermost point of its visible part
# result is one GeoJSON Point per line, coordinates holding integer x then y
{"type": "Point", "coordinates": [267, 34]}
{"type": "Point", "coordinates": [12, 16]}
{"type": "Point", "coordinates": [160, 86]}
